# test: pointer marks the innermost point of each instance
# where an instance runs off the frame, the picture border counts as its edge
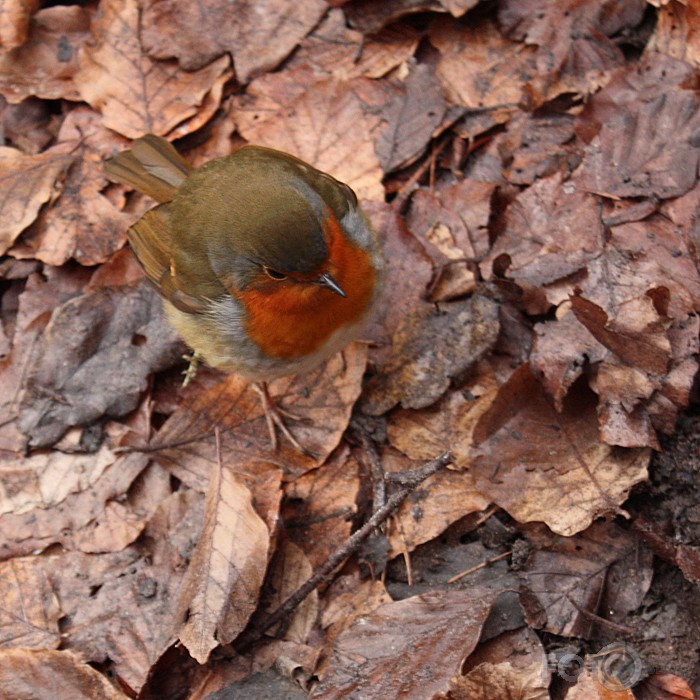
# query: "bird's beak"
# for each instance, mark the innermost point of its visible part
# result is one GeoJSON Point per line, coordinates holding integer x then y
{"type": "Point", "coordinates": [325, 280]}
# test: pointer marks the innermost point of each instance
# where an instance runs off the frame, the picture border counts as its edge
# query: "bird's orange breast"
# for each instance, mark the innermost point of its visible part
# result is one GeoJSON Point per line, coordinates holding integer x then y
{"type": "Point", "coordinates": [293, 319]}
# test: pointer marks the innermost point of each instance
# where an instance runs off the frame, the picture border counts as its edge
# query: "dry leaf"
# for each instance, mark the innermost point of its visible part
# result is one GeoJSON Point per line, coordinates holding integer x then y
{"type": "Point", "coordinates": [435, 631]}
{"type": "Point", "coordinates": [259, 33]}
{"type": "Point", "coordinates": [28, 675]}
{"type": "Point", "coordinates": [676, 32]}
{"type": "Point", "coordinates": [29, 612]}
{"type": "Point", "coordinates": [100, 345]}
{"type": "Point", "coordinates": [220, 590]}
{"type": "Point", "coordinates": [430, 348]}
{"type": "Point", "coordinates": [27, 182]}
{"type": "Point", "coordinates": [370, 16]}
{"type": "Point", "coordinates": [664, 686]}
{"type": "Point", "coordinates": [15, 16]}
{"type": "Point", "coordinates": [45, 66]}
{"type": "Point", "coordinates": [601, 572]}
{"type": "Point", "coordinates": [291, 568]}
{"type": "Point", "coordinates": [540, 464]}
{"type": "Point", "coordinates": [148, 96]}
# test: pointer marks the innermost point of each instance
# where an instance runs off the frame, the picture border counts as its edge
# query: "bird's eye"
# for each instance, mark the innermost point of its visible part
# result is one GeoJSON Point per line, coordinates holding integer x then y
{"type": "Point", "coordinates": [273, 274]}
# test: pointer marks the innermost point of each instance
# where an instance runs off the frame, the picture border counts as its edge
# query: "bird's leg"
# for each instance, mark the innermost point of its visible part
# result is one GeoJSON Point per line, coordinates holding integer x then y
{"type": "Point", "coordinates": [191, 371]}
{"type": "Point", "coordinates": [274, 416]}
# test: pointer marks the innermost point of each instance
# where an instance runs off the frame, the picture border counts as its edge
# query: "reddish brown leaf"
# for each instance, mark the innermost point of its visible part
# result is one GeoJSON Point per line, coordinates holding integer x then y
{"type": "Point", "coordinates": [369, 16]}
{"type": "Point", "coordinates": [46, 65]}
{"type": "Point", "coordinates": [435, 630]}
{"type": "Point", "coordinates": [664, 686]}
{"type": "Point", "coordinates": [15, 16]}
{"type": "Point", "coordinates": [149, 96]}
{"type": "Point", "coordinates": [676, 32]}
{"type": "Point", "coordinates": [222, 584]}
{"type": "Point", "coordinates": [259, 34]}
{"type": "Point", "coordinates": [478, 67]}
{"type": "Point", "coordinates": [29, 611]}
{"type": "Point", "coordinates": [27, 182]}
{"type": "Point", "coordinates": [27, 675]}
{"type": "Point", "coordinates": [569, 581]}
{"type": "Point", "coordinates": [540, 464]}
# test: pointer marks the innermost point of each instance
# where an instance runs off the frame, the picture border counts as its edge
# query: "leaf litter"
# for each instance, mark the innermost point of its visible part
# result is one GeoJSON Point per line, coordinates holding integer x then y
{"type": "Point", "coordinates": [532, 169]}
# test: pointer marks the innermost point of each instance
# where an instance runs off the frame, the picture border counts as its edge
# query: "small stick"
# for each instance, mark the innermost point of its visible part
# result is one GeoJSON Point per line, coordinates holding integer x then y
{"type": "Point", "coordinates": [483, 565]}
{"type": "Point", "coordinates": [344, 551]}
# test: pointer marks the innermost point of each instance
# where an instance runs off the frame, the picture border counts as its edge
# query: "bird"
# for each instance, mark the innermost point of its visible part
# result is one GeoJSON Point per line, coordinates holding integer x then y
{"type": "Point", "coordinates": [266, 265]}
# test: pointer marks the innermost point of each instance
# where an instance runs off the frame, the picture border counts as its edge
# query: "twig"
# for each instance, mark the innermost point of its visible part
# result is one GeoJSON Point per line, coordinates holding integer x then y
{"type": "Point", "coordinates": [483, 565]}
{"type": "Point", "coordinates": [592, 617]}
{"type": "Point", "coordinates": [344, 551]}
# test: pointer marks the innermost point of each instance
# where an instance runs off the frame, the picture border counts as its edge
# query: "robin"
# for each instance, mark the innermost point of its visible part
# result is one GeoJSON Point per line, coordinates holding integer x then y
{"type": "Point", "coordinates": [267, 266]}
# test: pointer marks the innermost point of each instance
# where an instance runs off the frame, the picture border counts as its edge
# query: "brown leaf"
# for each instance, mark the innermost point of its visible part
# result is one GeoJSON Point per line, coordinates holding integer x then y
{"type": "Point", "coordinates": [552, 229]}
{"type": "Point", "coordinates": [647, 149]}
{"type": "Point", "coordinates": [45, 66]}
{"type": "Point", "coordinates": [321, 504]}
{"type": "Point", "coordinates": [540, 464]}
{"type": "Point", "coordinates": [575, 51]}
{"type": "Point", "coordinates": [510, 667]}
{"type": "Point", "coordinates": [567, 581]}
{"type": "Point", "coordinates": [334, 49]}
{"type": "Point", "coordinates": [27, 182]}
{"type": "Point", "coordinates": [101, 345]}
{"type": "Point", "coordinates": [259, 33]}
{"type": "Point", "coordinates": [370, 16]}
{"type": "Point", "coordinates": [435, 631]}
{"type": "Point", "coordinates": [324, 397]}
{"type": "Point", "coordinates": [676, 32]}
{"type": "Point", "coordinates": [79, 520]}
{"type": "Point", "coordinates": [291, 568]}
{"type": "Point", "coordinates": [429, 349]}
{"type": "Point", "coordinates": [664, 686]}
{"type": "Point", "coordinates": [29, 612]}
{"type": "Point", "coordinates": [452, 224]}
{"type": "Point", "coordinates": [412, 118]}
{"type": "Point", "coordinates": [478, 67]}
{"type": "Point", "coordinates": [149, 96]}
{"type": "Point", "coordinates": [83, 223]}
{"type": "Point", "coordinates": [220, 590]}
{"type": "Point", "coordinates": [15, 16]}
{"type": "Point", "coordinates": [329, 126]}
{"type": "Point", "coordinates": [30, 674]}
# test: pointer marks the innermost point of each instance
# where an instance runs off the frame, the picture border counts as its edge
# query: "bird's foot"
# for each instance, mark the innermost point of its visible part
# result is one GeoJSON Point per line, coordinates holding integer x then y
{"type": "Point", "coordinates": [274, 417]}
{"type": "Point", "coordinates": [191, 371]}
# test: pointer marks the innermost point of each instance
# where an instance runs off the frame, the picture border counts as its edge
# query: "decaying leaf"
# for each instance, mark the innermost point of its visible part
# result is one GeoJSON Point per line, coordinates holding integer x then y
{"type": "Point", "coordinates": [431, 347]}
{"type": "Point", "coordinates": [221, 587]}
{"type": "Point", "coordinates": [434, 630]}
{"type": "Point", "coordinates": [100, 345]}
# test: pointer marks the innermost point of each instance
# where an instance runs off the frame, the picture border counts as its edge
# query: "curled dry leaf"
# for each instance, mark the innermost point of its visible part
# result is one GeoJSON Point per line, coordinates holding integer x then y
{"type": "Point", "coordinates": [27, 182]}
{"type": "Point", "coordinates": [29, 674]}
{"type": "Point", "coordinates": [676, 32]}
{"type": "Point", "coordinates": [259, 33]}
{"type": "Point", "coordinates": [221, 588]}
{"type": "Point", "coordinates": [15, 16]}
{"type": "Point", "coordinates": [435, 630]}
{"type": "Point", "coordinates": [430, 348]}
{"type": "Point", "coordinates": [329, 126]}
{"type": "Point", "coordinates": [100, 345]}
{"type": "Point", "coordinates": [540, 464]}
{"type": "Point", "coordinates": [149, 96]}
{"type": "Point", "coordinates": [46, 65]}
{"type": "Point", "coordinates": [29, 611]}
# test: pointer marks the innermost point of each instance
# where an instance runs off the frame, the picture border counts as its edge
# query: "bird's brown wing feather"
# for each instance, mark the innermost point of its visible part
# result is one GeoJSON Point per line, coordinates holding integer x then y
{"type": "Point", "coordinates": [152, 166]}
{"type": "Point", "coordinates": [150, 241]}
